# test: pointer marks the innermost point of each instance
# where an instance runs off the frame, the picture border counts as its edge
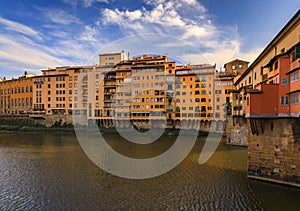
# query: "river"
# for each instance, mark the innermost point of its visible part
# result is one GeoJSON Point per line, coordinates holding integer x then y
{"type": "Point", "coordinates": [50, 171]}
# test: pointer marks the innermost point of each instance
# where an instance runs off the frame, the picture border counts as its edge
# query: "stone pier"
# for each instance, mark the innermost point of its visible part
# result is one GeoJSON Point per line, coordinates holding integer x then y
{"type": "Point", "coordinates": [274, 150]}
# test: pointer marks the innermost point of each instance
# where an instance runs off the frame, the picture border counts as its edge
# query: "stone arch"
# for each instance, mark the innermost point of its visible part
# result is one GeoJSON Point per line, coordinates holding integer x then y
{"type": "Point", "coordinates": [177, 123]}
{"type": "Point", "coordinates": [184, 123]}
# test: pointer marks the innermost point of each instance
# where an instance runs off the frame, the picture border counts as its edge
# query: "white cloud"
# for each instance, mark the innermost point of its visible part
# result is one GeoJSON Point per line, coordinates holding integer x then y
{"type": "Point", "coordinates": [164, 17]}
{"type": "Point", "coordinates": [89, 34]}
{"type": "Point", "coordinates": [18, 52]}
{"type": "Point", "coordinates": [20, 28]}
{"type": "Point", "coordinates": [25, 55]}
{"type": "Point", "coordinates": [59, 16]}
{"type": "Point", "coordinates": [88, 3]}
{"type": "Point", "coordinates": [185, 19]}
{"type": "Point", "coordinates": [85, 3]}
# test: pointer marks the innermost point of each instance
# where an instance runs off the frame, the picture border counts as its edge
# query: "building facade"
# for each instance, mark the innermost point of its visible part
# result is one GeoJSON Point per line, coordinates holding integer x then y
{"type": "Point", "coordinates": [145, 91]}
{"type": "Point", "coordinates": [277, 62]}
{"type": "Point", "coordinates": [268, 99]}
{"type": "Point", "coordinates": [16, 95]}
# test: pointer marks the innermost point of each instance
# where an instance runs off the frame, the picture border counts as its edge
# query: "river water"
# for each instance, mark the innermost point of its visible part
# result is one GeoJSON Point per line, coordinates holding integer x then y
{"type": "Point", "coordinates": [50, 171]}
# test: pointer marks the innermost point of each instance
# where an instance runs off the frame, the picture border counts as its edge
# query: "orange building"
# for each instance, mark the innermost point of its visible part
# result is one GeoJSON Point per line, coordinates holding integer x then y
{"type": "Point", "coordinates": [194, 94]}
{"type": "Point", "coordinates": [16, 95]}
{"type": "Point", "coordinates": [151, 88]}
{"type": "Point", "coordinates": [54, 89]}
{"type": "Point", "coordinates": [274, 76]}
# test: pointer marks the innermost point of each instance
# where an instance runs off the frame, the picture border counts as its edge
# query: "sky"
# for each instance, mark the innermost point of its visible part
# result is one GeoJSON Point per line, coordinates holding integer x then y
{"type": "Point", "coordinates": [37, 34]}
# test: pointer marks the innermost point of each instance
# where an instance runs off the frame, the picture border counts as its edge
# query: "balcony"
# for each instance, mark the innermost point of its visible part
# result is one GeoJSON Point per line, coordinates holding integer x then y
{"type": "Point", "coordinates": [170, 109]}
{"type": "Point", "coordinates": [264, 77]}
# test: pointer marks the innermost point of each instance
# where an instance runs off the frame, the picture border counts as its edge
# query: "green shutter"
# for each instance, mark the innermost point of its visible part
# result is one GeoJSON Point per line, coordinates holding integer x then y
{"type": "Point", "coordinates": [297, 52]}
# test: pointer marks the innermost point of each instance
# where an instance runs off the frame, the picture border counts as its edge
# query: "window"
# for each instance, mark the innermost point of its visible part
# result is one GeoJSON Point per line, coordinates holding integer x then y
{"type": "Point", "coordinates": [249, 80]}
{"type": "Point", "coordinates": [276, 65]}
{"type": "Point", "coordinates": [284, 81]}
{"type": "Point", "coordinates": [218, 99]}
{"type": "Point", "coordinates": [218, 91]}
{"type": "Point", "coordinates": [294, 76]}
{"type": "Point", "coordinates": [294, 99]}
{"type": "Point", "coordinates": [240, 66]}
{"type": "Point", "coordinates": [284, 101]}
{"type": "Point", "coordinates": [296, 53]}
{"type": "Point", "coordinates": [217, 115]}
{"type": "Point", "coordinates": [255, 76]}
{"type": "Point", "coordinates": [233, 67]}
{"type": "Point", "coordinates": [218, 107]}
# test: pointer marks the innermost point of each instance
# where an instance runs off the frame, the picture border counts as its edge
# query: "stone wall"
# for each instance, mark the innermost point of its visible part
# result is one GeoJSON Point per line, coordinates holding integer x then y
{"type": "Point", "coordinates": [274, 150]}
{"type": "Point", "coordinates": [236, 130]}
{"type": "Point", "coordinates": [49, 120]}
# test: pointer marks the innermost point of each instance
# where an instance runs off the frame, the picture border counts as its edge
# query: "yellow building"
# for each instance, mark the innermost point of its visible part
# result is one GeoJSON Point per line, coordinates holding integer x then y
{"type": "Point", "coordinates": [233, 69]}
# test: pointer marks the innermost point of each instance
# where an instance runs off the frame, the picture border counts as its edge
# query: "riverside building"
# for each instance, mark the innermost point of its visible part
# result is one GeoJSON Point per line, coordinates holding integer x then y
{"type": "Point", "coordinates": [16, 95]}
{"type": "Point", "coordinates": [145, 91]}
{"type": "Point", "coordinates": [269, 109]}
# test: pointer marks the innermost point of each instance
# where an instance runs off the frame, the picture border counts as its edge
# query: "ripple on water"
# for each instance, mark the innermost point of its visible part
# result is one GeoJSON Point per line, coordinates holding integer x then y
{"type": "Point", "coordinates": [60, 177]}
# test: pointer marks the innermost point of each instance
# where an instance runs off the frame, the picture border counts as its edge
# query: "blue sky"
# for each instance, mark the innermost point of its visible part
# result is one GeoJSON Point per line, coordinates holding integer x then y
{"type": "Point", "coordinates": [37, 34]}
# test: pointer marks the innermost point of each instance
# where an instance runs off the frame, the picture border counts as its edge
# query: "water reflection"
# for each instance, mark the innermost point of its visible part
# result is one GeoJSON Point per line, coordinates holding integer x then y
{"type": "Point", "coordinates": [51, 172]}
